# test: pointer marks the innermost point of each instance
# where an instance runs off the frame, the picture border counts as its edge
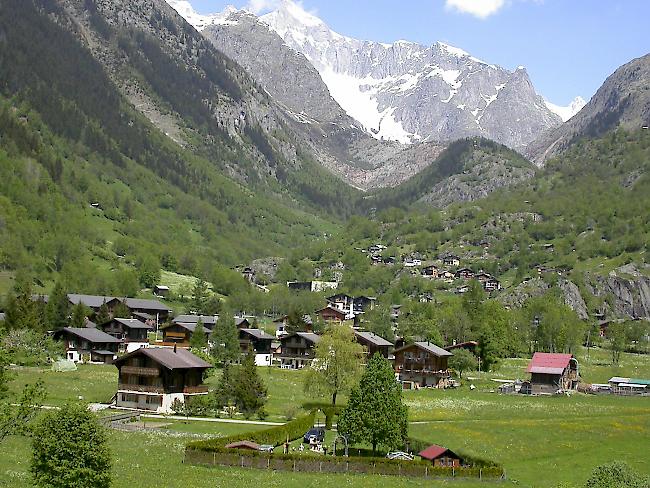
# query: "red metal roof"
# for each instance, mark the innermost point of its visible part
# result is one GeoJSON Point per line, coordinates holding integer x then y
{"type": "Point", "coordinates": [432, 452]}
{"type": "Point", "coordinates": [549, 363]}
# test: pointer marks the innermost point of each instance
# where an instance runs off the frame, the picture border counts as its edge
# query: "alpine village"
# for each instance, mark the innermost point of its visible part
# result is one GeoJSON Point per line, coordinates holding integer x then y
{"type": "Point", "coordinates": [249, 248]}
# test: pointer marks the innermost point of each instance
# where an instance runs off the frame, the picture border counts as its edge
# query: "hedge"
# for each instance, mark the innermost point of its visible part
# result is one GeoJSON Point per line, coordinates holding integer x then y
{"type": "Point", "coordinates": [214, 452]}
{"type": "Point", "coordinates": [329, 410]}
{"type": "Point", "coordinates": [273, 436]}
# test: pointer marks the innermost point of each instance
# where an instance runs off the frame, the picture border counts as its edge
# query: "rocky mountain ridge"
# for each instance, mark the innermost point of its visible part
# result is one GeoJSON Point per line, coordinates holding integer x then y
{"type": "Point", "coordinates": [622, 101]}
{"type": "Point", "coordinates": [403, 91]}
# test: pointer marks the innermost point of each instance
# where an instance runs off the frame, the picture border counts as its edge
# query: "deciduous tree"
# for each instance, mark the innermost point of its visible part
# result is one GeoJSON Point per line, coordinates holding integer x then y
{"type": "Point", "coordinates": [69, 449]}
{"type": "Point", "coordinates": [337, 363]}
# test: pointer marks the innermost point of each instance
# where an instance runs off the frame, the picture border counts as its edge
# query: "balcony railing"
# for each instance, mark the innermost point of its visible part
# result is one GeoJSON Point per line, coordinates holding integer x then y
{"type": "Point", "coordinates": [193, 390]}
{"type": "Point", "coordinates": [138, 371]}
{"type": "Point", "coordinates": [141, 388]}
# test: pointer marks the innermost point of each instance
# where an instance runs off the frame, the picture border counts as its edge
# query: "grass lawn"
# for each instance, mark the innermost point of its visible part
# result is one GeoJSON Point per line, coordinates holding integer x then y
{"type": "Point", "coordinates": [541, 441]}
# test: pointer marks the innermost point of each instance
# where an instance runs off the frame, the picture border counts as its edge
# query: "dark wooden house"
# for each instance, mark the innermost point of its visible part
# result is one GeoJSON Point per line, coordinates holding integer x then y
{"type": "Point", "coordinates": [131, 332]}
{"type": "Point", "coordinates": [374, 343]}
{"type": "Point", "coordinates": [259, 342]}
{"type": "Point", "coordinates": [153, 378]}
{"type": "Point", "coordinates": [87, 344]}
{"type": "Point", "coordinates": [422, 363]}
{"type": "Point", "coordinates": [180, 333]}
{"type": "Point", "coordinates": [298, 349]}
{"type": "Point", "coordinates": [331, 314]}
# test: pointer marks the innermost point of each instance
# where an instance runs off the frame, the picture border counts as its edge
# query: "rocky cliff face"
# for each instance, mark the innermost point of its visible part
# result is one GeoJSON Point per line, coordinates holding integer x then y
{"type": "Point", "coordinates": [404, 91]}
{"type": "Point", "coordinates": [625, 292]}
{"type": "Point", "coordinates": [623, 100]}
{"type": "Point", "coordinates": [409, 92]}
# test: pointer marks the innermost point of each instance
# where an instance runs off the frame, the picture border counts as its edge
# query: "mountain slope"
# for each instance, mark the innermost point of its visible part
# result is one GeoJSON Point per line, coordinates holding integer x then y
{"type": "Point", "coordinates": [87, 177]}
{"type": "Point", "coordinates": [409, 93]}
{"type": "Point", "coordinates": [623, 100]}
{"type": "Point", "coordinates": [201, 99]}
{"type": "Point", "coordinates": [336, 140]}
{"type": "Point", "coordinates": [467, 170]}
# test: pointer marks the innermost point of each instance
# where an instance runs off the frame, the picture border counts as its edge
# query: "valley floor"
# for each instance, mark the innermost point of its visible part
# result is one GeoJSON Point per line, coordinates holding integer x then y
{"type": "Point", "coordinates": [541, 441]}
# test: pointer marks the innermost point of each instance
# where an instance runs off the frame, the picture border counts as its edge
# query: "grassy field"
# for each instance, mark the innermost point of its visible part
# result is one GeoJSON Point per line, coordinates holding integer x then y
{"type": "Point", "coordinates": [541, 441]}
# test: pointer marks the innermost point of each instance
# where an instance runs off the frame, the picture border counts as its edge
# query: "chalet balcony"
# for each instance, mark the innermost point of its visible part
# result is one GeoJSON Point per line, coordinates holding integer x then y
{"type": "Point", "coordinates": [413, 369]}
{"type": "Point", "coordinates": [187, 390]}
{"type": "Point", "coordinates": [195, 390]}
{"type": "Point", "coordinates": [138, 371]}
{"type": "Point", "coordinates": [141, 388]}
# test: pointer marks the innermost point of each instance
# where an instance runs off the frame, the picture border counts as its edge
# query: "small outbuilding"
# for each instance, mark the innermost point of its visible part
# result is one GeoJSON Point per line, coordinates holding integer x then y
{"type": "Point", "coordinates": [551, 372]}
{"type": "Point", "coordinates": [441, 456]}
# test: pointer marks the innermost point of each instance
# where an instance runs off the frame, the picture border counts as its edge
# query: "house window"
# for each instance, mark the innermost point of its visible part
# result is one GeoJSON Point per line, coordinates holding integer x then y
{"type": "Point", "coordinates": [154, 400]}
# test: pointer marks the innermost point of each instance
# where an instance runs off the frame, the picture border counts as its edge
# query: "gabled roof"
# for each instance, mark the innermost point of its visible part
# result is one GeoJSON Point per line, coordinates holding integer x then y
{"type": "Point", "coordinates": [188, 326]}
{"type": "Point", "coordinates": [243, 445]}
{"type": "Point", "coordinates": [169, 358]}
{"type": "Point", "coordinates": [241, 320]}
{"type": "Point", "coordinates": [429, 347]}
{"type": "Point", "coordinates": [331, 309]}
{"type": "Point", "coordinates": [548, 363]}
{"type": "Point", "coordinates": [338, 296]}
{"type": "Point", "coordinates": [373, 338]}
{"type": "Point", "coordinates": [92, 301]}
{"type": "Point", "coordinates": [258, 334]}
{"type": "Point", "coordinates": [193, 319]}
{"type": "Point", "coordinates": [132, 323]}
{"type": "Point", "coordinates": [434, 451]}
{"type": "Point", "coordinates": [145, 304]}
{"type": "Point", "coordinates": [89, 334]}
{"type": "Point", "coordinates": [462, 345]}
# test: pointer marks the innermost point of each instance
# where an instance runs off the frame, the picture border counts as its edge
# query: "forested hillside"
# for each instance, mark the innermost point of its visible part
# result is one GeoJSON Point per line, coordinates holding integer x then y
{"type": "Point", "coordinates": [86, 177]}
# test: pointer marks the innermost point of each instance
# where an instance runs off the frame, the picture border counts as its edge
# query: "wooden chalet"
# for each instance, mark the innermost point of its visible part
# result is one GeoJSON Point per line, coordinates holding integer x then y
{"type": "Point", "coordinates": [422, 363]}
{"type": "Point", "coordinates": [489, 282]}
{"type": "Point", "coordinates": [298, 349]}
{"type": "Point", "coordinates": [259, 342]}
{"type": "Point", "coordinates": [430, 271]}
{"type": "Point", "coordinates": [208, 321]}
{"type": "Point", "coordinates": [180, 333]}
{"type": "Point", "coordinates": [88, 344]}
{"type": "Point", "coordinates": [451, 260]}
{"type": "Point", "coordinates": [551, 372]}
{"type": "Point", "coordinates": [441, 456]}
{"type": "Point", "coordinates": [153, 378]}
{"type": "Point", "coordinates": [131, 332]}
{"type": "Point", "coordinates": [464, 274]}
{"type": "Point", "coordinates": [342, 302]}
{"type": "Point", "coordinates": [469, 345]}
{"type": "Point", "coordinates": [161, 290]}
{"type": "Point", "coordinates": [363, 304]}
{"type": "Point", "coordinates": [374, 343]}
{"type": "Point", "coordinates": [331, 314]}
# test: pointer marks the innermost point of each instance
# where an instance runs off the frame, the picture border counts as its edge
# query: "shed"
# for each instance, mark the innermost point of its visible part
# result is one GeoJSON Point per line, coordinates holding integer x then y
{"type": "Point", "coordinates": [551, 372]}
{"type": "Point", "coordinates": [441, 456]}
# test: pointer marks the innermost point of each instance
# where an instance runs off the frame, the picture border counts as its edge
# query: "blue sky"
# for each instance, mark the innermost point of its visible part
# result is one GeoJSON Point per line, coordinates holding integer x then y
{"type": "Point", "coordinates": [569, 47]}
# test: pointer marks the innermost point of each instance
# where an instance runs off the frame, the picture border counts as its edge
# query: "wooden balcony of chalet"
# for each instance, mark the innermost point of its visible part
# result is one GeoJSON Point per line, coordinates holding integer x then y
{"type": "Point", "coordinates": [187, 390]}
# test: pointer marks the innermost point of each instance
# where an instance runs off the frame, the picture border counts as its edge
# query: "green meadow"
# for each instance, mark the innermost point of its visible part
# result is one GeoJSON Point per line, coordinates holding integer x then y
{"type": "Point", "coordinates": [541, 441]}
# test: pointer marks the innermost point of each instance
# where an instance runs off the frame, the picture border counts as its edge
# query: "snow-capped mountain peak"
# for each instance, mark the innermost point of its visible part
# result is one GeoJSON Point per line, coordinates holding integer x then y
{"type": "Point", "coordinates": [201, 21]}
{"type": "Point", "coordinates": [570, 110]}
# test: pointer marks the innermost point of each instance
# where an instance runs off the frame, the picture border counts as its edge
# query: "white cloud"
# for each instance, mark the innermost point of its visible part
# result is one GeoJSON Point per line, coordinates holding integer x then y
{"type": "Point", "coordinates": [478, 8]}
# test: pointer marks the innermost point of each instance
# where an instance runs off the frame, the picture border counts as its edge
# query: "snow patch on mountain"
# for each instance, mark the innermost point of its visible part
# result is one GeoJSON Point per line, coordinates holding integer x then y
{"type": "Point", "coordinates": [200, 21]}
{"type": "Point", "coordinates": [569, 111]}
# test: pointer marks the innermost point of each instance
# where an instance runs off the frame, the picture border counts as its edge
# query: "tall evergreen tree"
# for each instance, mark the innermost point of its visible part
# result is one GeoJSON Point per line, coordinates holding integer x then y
{"type": "Point", "coordinates": [375, 412]}
{"type": "Point", "coordinates": [22, 310]}
{"type": "Point", "coordinates": [103, 315]}
{"type": "Point", "coordinates": [250, 392]}
{"type": "Point", "coordinates": [58, 307]}
{"type": "Point", "coordinates": [79, 314]}
{"type": "Point", "coordinates": [225, 338]}
{"type": "Point", "coordinates": [200, 297]}
{"type": "Point", "coordinates": [199, 339]}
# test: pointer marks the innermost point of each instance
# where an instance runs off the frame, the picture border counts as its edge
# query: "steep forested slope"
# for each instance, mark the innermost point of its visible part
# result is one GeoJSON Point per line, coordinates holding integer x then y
{"type": "Point", "coordinates": [69, 140]}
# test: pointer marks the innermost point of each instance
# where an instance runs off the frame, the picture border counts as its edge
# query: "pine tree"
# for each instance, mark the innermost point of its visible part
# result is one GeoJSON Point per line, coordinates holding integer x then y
{"type": "Point", "coordinates": [223, 395]}
{"type": "Point", "coordinates": [250, 392]}
{"type": "Point", "coordinates": [199, 339]}
{"type": "Point", "coordinates": [200, 296]}
{"type": "Point", "coordinates": [79, 315]}
{"type": "Point", "coordinates": [22, 311]}
{"type": "Point", "coordinates": [103, 315]}
{"type": "Point", "coordinates": [121, 310]}
{"type": "Point", "coordinates": [58, 307]}
{"type": "Point", "coordinates": [375, 412]}
{"type": "Point", "coordinates": [225, 338]}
